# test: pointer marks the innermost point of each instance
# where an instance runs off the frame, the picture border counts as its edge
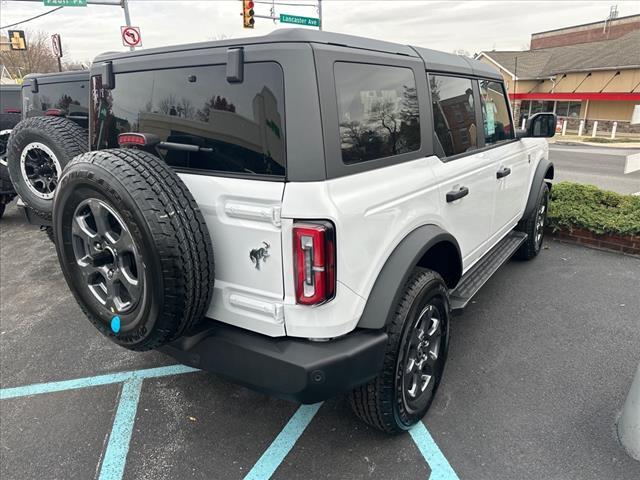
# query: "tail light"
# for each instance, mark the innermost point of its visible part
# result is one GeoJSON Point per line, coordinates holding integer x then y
{"type": "Point", "coordinates": [138, 139]}
{"type": "Point", "coordinates": [54, 112]}
{"type": "Point", "coordinates": [12, 110]}
{"type": "Point", "coordinates": [315, 262]}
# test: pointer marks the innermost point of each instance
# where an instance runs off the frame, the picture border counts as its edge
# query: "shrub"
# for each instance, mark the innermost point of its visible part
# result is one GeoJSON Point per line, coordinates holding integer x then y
{"type": "Point", "coordinates": [596, 210]}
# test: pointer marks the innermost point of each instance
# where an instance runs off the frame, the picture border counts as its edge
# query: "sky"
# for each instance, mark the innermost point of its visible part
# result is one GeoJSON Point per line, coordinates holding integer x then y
{"type": "Point", "coordinates": [471, 26]}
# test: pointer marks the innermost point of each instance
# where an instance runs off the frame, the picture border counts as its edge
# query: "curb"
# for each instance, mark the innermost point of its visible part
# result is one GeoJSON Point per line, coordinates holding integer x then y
{"type": "Point", "coordinates": [576, 143]}
{"type": "Point", "coordinates": [624, 244]}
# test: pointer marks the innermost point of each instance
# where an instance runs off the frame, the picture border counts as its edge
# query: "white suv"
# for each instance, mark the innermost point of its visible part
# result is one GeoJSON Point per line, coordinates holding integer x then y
{"type": "Point", "coordinates": [352, 192]}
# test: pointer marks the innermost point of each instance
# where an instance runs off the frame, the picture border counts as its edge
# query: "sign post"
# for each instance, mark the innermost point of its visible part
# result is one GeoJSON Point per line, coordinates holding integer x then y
{"type": "Point", "coordinates": [131, 36]}
{"type": "Point", "coordinates": [56, 48]}
{"type": "Point", "coordinates": [304, 21]}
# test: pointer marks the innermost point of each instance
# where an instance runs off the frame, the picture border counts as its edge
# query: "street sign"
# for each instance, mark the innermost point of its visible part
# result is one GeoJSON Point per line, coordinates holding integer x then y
{"type": "Point", "coordinates": [65, 3]}
{"type": "Point", "coordinates": [56, 45]}
{"type": "Point", "coordinates": [306, 21]}
{"type": "Point", "coordinates": [17, 39]}
{"type": "Point", "coordinates": [131, 36]}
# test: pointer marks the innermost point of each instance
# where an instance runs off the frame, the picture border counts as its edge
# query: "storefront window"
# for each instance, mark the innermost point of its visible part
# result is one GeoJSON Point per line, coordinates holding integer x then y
{"type": "Point", "coordinates": [574, 109]}
{"type": "Point", "coordinates": [568, 109]}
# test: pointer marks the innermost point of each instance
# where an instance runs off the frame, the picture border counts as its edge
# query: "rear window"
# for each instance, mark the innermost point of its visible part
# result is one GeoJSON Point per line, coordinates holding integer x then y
{"type": "Point", "coordinates": [70, 97]}
{"type": "Point", "coordinates": [378, 111]}
{"type": "Point", "coordinates": [10, 100]}
{"type": "Point", "coordinates": [237, 127]}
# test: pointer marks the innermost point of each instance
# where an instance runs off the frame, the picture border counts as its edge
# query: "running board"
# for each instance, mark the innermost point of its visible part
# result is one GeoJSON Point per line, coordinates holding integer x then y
{"type": "Point", "coordinates": [482, 271]}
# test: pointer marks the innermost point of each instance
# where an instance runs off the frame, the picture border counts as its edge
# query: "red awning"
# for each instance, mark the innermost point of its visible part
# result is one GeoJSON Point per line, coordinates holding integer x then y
{"type": "Point", "coordinates": [610, 96]}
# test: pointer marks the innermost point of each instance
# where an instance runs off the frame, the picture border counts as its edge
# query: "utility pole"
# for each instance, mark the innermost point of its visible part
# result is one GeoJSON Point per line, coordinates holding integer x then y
{"type": "Point", "coordinates": [320, 14]}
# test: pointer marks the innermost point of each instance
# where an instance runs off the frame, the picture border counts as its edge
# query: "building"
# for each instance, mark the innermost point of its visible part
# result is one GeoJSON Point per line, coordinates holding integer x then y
{"type": "Point", "coordinates": [584, 73]}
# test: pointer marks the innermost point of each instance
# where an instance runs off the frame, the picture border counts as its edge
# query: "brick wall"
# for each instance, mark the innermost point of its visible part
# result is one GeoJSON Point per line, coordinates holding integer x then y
{"type": "Point", "coordinates": [618, 243]}
{"type": "Point", "coordinates": [584, 34]}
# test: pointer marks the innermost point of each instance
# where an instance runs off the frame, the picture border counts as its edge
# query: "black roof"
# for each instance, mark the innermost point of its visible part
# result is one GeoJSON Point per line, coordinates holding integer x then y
{"type": "Point", "coordinates": [434, 59]}
{"type": "Point", "coordinates": [57, 77]}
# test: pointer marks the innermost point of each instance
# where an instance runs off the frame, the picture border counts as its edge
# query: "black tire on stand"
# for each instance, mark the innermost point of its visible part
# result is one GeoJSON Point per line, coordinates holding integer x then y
{"type": "Point", "coordinates": [533, 226]}
{"type": "Point", "coordinates": [38, 150]}
{"type": "Point", "coordinates": [6, 187]}
{"type": "Point", "coordinates": [415, 358]}
{"type": "Point", "coordinates": [133, 246]}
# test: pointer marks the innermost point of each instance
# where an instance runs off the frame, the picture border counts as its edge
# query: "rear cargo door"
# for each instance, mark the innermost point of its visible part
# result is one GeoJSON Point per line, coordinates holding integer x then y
{"type": "Point", "coordinates": [226, 139]}
{"type": "Point", "coordinates": [243, 217]}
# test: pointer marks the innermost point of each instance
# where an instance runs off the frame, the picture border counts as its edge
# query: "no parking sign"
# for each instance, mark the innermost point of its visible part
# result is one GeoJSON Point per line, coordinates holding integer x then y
{"type": "Point", "coordinates": [131, 36]}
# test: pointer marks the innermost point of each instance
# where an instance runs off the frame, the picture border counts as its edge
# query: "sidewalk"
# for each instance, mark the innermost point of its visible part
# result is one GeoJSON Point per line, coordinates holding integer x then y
{"type": "Point", "coordinates": [584, 140]}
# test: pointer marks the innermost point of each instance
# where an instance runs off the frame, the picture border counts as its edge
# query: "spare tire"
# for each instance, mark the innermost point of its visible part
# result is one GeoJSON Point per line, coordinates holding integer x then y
{"type": "Point", "coordinates": [38, 150]}
{"type": "Point", "coordinates": [133, 246]}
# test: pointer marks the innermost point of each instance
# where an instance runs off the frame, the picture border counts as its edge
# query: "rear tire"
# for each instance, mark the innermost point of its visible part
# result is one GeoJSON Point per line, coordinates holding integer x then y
{"type": "Point", "coordinates": [414, 362]}
{"type": "Point", "coordinates": [38, 150]}
{"type": "Point", "coordinates": [533, 226]}
{"type": "Point", "coordinates": [133, 244]}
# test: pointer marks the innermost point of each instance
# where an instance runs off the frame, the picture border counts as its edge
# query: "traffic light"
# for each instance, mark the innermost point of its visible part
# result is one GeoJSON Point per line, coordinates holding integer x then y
{"type": "Point", "coordinates": [17, 39]}
{"type": "Point", "coordinates": [247, 14]}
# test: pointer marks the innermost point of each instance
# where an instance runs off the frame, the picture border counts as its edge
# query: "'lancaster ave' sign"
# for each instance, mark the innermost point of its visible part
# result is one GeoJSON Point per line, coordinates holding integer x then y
{"type": "Point", "coordinates": [306, 21]}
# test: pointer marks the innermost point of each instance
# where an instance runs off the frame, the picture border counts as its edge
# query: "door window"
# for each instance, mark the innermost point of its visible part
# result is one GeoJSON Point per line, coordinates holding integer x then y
{"type": "Point", "coordinates": [454, 115]}
{"type": "Point", "coordinates": [378, 111]}
{"type": "Point", "coordinates": [495, 113]}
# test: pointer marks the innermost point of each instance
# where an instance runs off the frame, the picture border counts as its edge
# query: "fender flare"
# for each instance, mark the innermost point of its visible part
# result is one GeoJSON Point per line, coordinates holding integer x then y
{"type": "Point", "coordinates": [395, 273]}
{"type": "Point", "coordinates": [544, 168]}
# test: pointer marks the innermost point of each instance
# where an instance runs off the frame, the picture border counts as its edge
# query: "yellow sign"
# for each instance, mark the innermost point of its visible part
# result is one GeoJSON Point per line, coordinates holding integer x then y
{"type": "Point", "coordinates": [17, 39]}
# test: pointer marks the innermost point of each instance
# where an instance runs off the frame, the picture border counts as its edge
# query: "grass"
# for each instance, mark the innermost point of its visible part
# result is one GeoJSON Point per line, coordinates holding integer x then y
{"type": "Point", "coordinates": [599, 211]}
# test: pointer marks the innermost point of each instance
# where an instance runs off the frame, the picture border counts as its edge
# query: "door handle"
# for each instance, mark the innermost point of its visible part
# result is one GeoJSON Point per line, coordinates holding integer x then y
{"type": "Point", "coordinates": [503, 172]}
{"type": "Point", "coordinates": [457, 194]}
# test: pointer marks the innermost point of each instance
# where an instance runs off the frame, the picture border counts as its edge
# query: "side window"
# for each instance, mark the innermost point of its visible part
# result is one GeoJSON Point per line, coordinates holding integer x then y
{"type": "Point", "coordinates": [495, 113]}
{"type": "Point", "coordinates": [378, 111]}
{"type": "Point", "coordinates": [454, 115]}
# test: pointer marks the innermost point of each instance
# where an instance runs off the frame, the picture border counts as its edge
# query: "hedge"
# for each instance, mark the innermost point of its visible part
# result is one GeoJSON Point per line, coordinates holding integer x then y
{"type": "Point", "coordinates": [596, 210]}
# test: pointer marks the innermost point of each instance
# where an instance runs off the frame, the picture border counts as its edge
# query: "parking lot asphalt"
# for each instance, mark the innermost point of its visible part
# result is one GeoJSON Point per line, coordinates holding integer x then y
{"type": "Point", "coordinates": [600, 166]}
{"type": "Point", "coordinates": [538, 369]}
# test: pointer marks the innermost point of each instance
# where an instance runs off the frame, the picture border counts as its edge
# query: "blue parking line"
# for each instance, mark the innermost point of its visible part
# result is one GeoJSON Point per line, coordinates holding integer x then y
{"type": "Point", "coordinates": [283, 443]}
{"type": "Point", "coordinates": [115, 457]}
{"type": "Point", "coordinates": [96, 381]}
{"type": "Point", "coordinates": [438, 463]}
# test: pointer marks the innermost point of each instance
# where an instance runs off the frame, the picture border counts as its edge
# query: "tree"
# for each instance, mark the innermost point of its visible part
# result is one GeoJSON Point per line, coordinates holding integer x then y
{"type": "Point", "coordinates": [167, 104]}
{"type": "Point", "coordinates": [214, 103]}
{"type": "Point", "coordinates": [38, 57]}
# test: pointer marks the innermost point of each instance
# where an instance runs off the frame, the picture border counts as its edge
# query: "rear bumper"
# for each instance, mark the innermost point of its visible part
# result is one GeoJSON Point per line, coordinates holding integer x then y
{"type": "Point", "coordinates": [291, 368]}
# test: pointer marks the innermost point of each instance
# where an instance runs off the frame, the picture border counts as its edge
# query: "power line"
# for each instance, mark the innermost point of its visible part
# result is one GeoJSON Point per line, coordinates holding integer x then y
{"type": "Point", "coordinates": [32, 18]}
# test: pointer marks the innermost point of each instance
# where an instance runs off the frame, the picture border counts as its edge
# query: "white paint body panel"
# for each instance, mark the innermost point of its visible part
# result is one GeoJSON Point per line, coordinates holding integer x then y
{"type": "Point", "coordinates": [372, 213]}
{"type": "Point", "coordinates": [241, 215]}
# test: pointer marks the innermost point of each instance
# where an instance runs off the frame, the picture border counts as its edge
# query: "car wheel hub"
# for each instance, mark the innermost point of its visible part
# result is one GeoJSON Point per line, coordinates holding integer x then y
{"type": "Point", "coordinates": [107, 257]}
{"type": "Point", "coordinates": [40, 169]}
{"type": "Point", "coordinates": [422, 355]}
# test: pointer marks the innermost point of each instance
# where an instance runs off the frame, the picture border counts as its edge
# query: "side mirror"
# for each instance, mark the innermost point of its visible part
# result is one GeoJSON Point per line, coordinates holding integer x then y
{"type": "Point", "coordinates": [34, 85]}
{"type": "Point", "coordinates": [539, 125]}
